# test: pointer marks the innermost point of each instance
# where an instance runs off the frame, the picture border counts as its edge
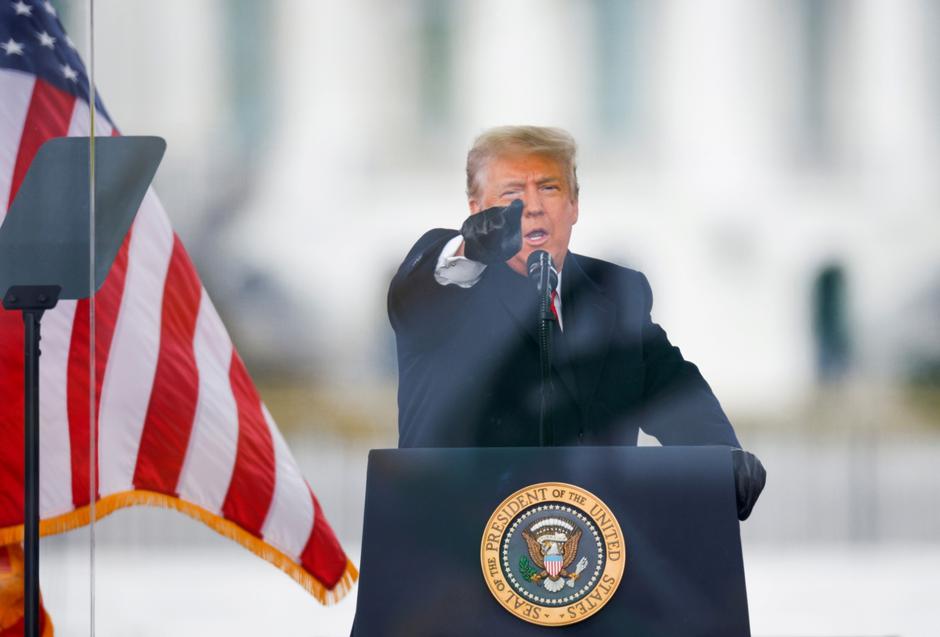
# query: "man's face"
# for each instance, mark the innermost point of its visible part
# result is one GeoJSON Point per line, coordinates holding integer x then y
{"type": "Point", "coordinates": [549, 211]}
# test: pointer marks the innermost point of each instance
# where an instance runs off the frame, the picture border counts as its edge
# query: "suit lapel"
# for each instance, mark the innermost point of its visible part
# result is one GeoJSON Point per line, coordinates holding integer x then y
{"type": "Point", "coordinates": [561, 360]}
{"type": "Point", "coordinates": [517, 295]}
{"type": "Point", "coordinates": [589, 322]}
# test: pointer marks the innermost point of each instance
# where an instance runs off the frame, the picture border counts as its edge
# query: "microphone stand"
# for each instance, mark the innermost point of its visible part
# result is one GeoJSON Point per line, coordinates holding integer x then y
{"type": "Point", "coordinates": [542, 271]}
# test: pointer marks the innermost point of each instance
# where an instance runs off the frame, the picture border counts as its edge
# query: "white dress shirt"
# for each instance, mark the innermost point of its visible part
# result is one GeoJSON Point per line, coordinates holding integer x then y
{"type": "Point", "coordinates": [459, 270]}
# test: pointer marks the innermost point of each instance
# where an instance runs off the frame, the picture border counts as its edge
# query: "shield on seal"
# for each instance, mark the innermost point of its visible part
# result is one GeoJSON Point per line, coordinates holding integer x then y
{"type": "Point", "coordinates": [553, 565]}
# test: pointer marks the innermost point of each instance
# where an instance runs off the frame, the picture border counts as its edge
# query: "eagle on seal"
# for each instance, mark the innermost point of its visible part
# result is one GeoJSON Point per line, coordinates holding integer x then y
{"type": "Point", "coordinates": [553, 546]}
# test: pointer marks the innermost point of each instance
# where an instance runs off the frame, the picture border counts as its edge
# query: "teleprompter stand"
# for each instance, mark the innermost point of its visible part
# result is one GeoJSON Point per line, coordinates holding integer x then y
{"type": "Point", "coordinates": [428, 511]}
{"type": "Point", "coordinates": [45, 255]}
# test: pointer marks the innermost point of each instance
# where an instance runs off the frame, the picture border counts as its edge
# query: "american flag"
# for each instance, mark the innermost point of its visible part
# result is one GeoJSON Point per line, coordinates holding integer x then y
{"type": "Point", "coordinates": [12, 622]}
{"type": "Point", "coordinates": [179, 421]}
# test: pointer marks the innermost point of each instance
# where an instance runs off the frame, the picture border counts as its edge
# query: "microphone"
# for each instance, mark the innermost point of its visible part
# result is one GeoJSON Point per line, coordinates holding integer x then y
{"type": "Point", "coordinates": [542, 271]}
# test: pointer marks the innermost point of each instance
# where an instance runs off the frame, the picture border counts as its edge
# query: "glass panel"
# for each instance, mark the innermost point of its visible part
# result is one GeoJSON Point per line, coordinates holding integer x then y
{"type": "Point", "coordinates": [310, 144]}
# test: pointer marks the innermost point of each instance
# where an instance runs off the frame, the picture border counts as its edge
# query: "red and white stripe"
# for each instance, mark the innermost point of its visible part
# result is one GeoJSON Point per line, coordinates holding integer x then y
{"type": "Point", "coordinates": [17, 90]}
{"type": "Point", "coordinates": [207, 468]}
{"type": "Point", "coordinates": [57, 336]}
{"type": "Point", "coordinates": [177, 413]}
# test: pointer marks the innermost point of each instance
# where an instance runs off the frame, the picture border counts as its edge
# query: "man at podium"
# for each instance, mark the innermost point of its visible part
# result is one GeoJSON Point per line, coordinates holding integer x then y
{"type": "Point", "coordinates": [465, 319]}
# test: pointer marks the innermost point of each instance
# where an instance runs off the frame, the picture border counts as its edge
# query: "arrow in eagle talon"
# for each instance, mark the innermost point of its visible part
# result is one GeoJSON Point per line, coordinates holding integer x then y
{"type": "Point", "coordinates": [582, 564]}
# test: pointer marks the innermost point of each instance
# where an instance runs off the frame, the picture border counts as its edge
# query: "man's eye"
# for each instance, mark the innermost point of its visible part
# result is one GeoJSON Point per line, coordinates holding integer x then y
{"type": "Point", "coordinates": [551, 187]}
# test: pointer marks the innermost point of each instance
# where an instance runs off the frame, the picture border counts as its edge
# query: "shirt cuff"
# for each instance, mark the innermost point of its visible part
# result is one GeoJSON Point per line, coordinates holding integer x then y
{"type": "Point", "coordinates": [457, 270]}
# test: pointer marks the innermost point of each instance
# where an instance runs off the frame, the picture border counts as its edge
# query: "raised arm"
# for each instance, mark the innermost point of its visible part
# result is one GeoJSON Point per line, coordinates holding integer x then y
{"type": "Point", "coordinates": [420, 309]}
{"type": "Point", "coordinates": [430, 287]}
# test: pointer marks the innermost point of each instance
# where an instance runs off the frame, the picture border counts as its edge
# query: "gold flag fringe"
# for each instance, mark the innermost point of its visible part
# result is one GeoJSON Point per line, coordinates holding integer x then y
{"type": "Point", "coordinates": [111, 503]}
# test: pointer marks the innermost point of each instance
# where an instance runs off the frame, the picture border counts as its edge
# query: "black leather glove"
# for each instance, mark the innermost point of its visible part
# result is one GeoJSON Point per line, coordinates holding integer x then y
{"type": "Point", "coordinates": [493, 235]}
{"type": "Point", "coordinates": [749, 479]}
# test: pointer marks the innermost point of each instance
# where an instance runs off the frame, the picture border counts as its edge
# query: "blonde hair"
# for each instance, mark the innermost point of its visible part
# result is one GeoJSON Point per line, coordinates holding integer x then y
{"type": "Point", "coordinates": [503, 141]}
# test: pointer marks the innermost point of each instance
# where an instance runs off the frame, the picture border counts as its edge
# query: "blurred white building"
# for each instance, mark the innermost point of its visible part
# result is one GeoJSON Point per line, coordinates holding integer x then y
{"type": "Point", "coordinates": [735, 151]}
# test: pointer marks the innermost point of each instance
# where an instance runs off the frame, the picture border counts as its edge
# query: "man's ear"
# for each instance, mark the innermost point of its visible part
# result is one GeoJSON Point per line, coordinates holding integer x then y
{"type": "Point", "coordinates": [576, 211]}
{"type": "Point", "coordinates": [474, 206]}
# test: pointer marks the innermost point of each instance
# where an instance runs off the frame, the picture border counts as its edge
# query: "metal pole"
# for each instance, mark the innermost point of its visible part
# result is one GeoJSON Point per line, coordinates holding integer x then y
{"type": "Point", "coordinates": [31, 481]}
{"type": "Point", "coordinates": [546, 430]}
{"type": "Point", "coordinates": [543, 274]}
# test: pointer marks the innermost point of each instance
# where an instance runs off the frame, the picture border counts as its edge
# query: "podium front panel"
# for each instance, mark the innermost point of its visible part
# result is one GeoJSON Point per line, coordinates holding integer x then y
{"type": "Point", "coordinates": [426, 511]}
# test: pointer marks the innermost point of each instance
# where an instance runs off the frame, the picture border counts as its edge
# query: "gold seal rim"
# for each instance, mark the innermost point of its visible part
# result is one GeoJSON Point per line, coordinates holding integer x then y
{"type": "Point", "coordinates": [612, 568]}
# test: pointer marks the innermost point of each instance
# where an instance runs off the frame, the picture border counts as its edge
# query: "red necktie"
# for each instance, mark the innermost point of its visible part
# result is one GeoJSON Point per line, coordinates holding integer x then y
{"type": "Point", "coordinates": [554, 311]}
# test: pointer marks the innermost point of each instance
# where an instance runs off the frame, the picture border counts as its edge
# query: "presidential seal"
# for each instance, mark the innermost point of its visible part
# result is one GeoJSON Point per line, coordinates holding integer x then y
{"type": "Point", "coordinates": [552, 554]}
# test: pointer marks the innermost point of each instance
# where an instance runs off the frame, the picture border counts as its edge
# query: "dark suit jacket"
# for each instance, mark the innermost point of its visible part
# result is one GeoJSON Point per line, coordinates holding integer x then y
{"type": "Point", "coordinates": [468, 360]}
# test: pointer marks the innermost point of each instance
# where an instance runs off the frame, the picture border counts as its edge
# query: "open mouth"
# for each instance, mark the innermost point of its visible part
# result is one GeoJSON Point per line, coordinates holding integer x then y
{"type": "Point", "coordinates": [536, 237]}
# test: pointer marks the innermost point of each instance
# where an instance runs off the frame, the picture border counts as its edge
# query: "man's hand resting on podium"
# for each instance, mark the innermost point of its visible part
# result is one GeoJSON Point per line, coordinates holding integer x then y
{"type": "Point", "coordinates": [493, 235]}
{"type": "Point", "coordinates": [749, 479]}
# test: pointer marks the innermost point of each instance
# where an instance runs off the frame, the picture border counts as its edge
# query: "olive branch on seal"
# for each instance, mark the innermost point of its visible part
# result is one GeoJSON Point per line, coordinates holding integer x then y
{"type": "Point", "coordinates": [526, 569]}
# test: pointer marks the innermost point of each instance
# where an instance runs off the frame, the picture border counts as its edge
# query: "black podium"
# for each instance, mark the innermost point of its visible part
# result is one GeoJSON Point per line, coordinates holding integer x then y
{"type": "Point", "coordinates": [427, 511]}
